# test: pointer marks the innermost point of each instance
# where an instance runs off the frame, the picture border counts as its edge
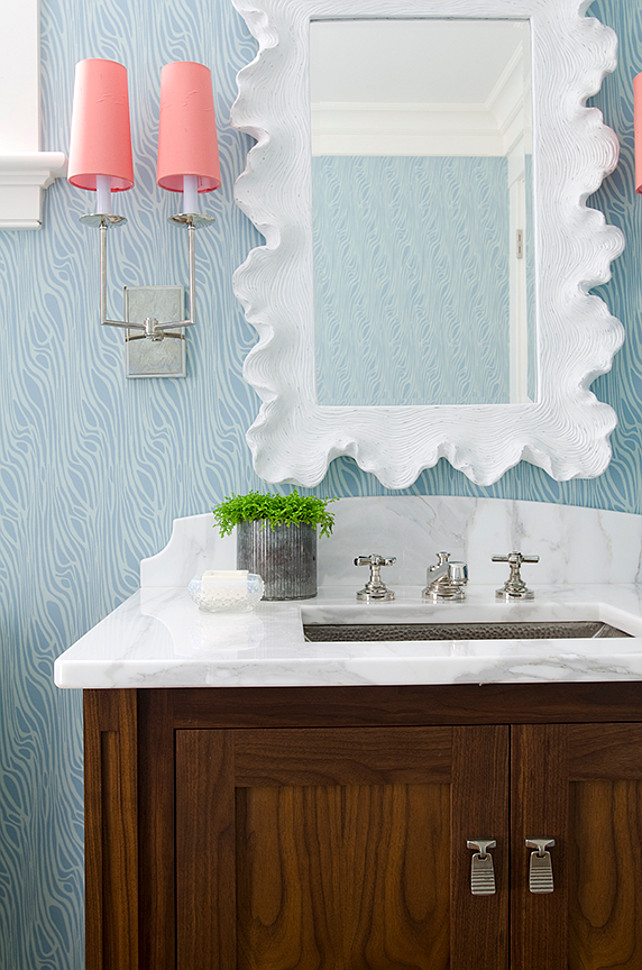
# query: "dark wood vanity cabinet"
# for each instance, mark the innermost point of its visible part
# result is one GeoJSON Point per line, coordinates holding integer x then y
{"type": "Point", "coordinates": [327, 828]}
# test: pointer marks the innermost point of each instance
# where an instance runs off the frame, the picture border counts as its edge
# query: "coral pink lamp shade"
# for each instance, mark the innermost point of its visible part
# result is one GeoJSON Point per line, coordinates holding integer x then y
{"type": "Point", "coordinates": [187, 142]}
{"type": "Point", "coordinates": [637, 125]}
{"type": "Point", "coordinates": [100, 133]}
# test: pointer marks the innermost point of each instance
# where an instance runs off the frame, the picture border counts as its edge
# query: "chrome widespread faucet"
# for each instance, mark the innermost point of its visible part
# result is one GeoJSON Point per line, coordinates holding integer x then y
{"type": "Point", "coordinates": [446, 580]}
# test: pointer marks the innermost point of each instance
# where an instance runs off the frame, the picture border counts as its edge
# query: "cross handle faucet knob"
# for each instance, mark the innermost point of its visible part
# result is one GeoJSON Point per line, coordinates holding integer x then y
{"type": "Point", "coordinates": [515, 587]}
{"type": "Point", "coordinates": [375, 588]}
{"type": "Point", "coordinates": [375, 560]}
{"type": "Point", "coordinates": [515, 557]}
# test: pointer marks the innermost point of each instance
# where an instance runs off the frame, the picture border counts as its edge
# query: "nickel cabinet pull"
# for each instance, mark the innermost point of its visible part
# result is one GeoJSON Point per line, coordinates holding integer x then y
{"type": "Point", "coordinates": [482, 872]}
{"type": "Point", "coordinates": [540, 873]}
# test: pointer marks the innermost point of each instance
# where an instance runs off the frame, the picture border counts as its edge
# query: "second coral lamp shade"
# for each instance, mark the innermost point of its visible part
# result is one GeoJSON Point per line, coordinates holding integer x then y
{"type": "Point", "coordinates": [188, 159]}
{"type": "Point", "coordinates": [100, 150]}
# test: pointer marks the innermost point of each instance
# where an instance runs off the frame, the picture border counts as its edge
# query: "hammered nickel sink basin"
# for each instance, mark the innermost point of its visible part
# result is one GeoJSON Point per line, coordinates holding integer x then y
{"type": "Point", "coordinates": [525, 630]}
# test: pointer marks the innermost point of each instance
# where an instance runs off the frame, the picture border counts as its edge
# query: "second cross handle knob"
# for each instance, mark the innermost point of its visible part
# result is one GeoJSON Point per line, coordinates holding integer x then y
{"type": "Point", "coordinates": [515, 587]}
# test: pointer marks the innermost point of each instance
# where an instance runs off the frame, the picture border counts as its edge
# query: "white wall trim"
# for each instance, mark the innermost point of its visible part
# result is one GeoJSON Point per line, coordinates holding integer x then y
{"type": "Point", "coordinates": [24, 170]}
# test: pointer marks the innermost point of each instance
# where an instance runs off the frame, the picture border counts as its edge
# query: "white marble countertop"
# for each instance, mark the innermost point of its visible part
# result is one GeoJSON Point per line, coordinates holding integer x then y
{"type": "Point", "coordinates": [159, 638]}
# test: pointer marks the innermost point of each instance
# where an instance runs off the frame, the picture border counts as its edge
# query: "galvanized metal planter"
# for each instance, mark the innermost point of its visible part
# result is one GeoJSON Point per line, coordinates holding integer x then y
{"type": "Point", "coordinates": [286, 558]}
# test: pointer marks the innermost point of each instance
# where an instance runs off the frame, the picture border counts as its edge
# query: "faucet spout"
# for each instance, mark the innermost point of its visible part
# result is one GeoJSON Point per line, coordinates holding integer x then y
{"type": "Point", "coordinates": [446, 579]}
{"type": "Point", "coordinates": [441, 571]}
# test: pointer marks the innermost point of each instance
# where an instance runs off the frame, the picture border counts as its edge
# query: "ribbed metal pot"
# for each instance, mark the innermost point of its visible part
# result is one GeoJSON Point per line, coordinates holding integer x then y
{"type": "Point", "coordinates": [286, 558]}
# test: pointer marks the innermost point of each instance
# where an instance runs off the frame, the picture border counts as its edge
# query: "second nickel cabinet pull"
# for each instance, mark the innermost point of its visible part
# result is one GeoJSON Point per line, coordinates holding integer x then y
{"type": "Point", "coordinates": [540, 874]}
{"type": "Point", "coordinates": [482, 873]}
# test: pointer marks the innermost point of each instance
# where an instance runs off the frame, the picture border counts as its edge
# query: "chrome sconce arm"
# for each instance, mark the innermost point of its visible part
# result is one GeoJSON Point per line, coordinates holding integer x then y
{"type": "Point", "coordinates": [151, 328]}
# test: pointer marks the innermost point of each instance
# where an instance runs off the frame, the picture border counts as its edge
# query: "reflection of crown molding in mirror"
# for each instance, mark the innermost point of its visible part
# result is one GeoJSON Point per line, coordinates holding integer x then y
{"type": "Point", "coordinates": [358, 129]}
{"type": "Point", "coordinates": [566, 432]}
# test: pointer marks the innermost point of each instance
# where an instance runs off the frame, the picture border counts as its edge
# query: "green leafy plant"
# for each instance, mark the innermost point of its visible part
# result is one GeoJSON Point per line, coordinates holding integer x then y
{"type": "Point", "coordinates": [292, 509]}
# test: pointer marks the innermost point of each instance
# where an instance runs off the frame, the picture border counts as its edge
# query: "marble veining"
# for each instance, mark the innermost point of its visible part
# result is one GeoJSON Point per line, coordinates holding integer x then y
{"type": "Point", "coordinates": [575, 545]}
{"type": "Point", "coordinates": [589, 568]}
{"type": "Point", "coordinates": [158, 638]}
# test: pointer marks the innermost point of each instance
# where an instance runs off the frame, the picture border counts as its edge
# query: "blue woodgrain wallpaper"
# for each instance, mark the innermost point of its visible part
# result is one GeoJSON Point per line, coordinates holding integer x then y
{"type": "Point", "coordinates": [405, 310]}
{"type": "Point", "coordinates": [94, 468]}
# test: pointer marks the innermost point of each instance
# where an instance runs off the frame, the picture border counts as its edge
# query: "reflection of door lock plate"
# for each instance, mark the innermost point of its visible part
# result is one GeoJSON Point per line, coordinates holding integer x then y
{"type": "Point", "coordinates": [519, 244]}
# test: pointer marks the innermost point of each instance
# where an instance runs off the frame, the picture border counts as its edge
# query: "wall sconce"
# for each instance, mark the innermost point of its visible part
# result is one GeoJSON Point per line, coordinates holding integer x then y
{"type": "Point", "coordinates": [100, 159]}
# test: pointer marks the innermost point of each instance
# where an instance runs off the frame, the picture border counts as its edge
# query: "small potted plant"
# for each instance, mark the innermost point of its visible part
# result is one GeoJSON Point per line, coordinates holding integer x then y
{"type": "Point", "coordinates": [276, 537]}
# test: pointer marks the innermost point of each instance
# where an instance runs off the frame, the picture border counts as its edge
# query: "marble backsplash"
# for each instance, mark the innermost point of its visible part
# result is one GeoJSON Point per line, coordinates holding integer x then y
{"type": "Point", "coordinates": [575, 544]}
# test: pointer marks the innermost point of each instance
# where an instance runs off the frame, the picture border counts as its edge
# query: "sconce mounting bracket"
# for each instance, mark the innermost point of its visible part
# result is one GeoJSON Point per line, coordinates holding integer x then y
{"type": "Point", "coordinates": [154, 357]}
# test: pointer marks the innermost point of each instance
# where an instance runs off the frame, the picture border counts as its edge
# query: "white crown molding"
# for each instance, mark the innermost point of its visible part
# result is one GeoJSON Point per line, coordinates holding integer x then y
{"type": "Point", "coordinates": [23, 176]}
{"type": "Point", "coordinates": [24, 170]}
{"type": "Point", "coordinates": [567, 431]}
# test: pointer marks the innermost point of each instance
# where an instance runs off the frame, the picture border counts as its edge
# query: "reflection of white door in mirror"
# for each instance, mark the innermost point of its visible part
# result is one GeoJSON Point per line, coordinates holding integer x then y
{"type": "Point", "coordinates": [423, 290]}
{"type": "Point", "coordinates": [421, 140]}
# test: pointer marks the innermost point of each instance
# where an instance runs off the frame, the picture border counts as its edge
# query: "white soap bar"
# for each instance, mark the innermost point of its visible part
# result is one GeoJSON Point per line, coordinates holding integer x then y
{"type": "Point", "coordinates": [215, 577]}
{"type": "Point", "coordinates": [225, 574]}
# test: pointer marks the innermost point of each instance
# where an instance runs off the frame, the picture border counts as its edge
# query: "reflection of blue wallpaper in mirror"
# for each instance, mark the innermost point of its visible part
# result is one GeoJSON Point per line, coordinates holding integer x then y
{"type": "Point", "coordinates": [411, 280]}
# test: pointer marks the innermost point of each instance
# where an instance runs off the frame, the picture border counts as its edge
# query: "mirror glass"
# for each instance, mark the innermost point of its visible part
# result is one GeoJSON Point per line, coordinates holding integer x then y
{"type": "Point", "coordinates": [423, 265]}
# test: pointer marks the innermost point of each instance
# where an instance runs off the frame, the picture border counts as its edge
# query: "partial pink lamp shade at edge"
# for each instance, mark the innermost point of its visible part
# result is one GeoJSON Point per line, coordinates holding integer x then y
{"type": "Point", "coordinates": [100, 143]}
{"type": "Point", "coordinates": [187, 143]}
{"type": "Point", "coordinates": [637, 127]}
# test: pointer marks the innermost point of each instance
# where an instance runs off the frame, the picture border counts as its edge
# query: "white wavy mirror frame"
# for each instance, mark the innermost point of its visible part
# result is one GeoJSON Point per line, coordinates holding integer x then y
{"type": "Point", "coordinates": [567, 430]}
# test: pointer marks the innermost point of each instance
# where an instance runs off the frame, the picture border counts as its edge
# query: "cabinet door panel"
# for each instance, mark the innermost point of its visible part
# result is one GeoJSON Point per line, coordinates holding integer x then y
{"type": "Point", "coordinates": [582, 785]}
{"type": "Point", "coordinates": [342, 844]}
{"type": "Point", "coordinates": [356, 876]}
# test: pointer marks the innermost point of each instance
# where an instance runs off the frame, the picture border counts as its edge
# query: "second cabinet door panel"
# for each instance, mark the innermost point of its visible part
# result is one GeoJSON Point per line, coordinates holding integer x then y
{"type": "Point", "coordinates": [581, 785]}
{"type": "Point", "coordinates": [342, 849]}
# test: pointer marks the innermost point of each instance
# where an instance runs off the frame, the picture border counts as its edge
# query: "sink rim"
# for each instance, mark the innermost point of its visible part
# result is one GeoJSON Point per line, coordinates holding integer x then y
{"type": "Point", "coordinates": [508, 629]}
{"type": "Point", "coordinates": [479, 608]}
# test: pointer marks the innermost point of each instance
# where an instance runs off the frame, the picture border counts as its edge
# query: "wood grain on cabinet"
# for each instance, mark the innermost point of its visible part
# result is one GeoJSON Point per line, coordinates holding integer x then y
{"type": "Point", "coordinates": [581, 783]}
{"type": "Point", "coordinates": [339, 843]}
{"type": "Point", "coordinates": [111, 829]}
{"type": "Point", "coordinates": [327, 828]}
